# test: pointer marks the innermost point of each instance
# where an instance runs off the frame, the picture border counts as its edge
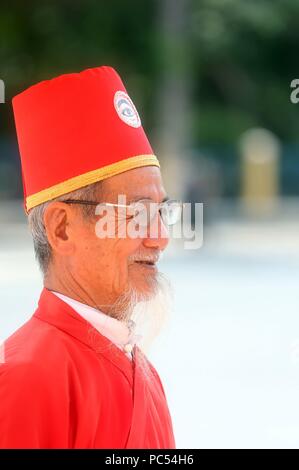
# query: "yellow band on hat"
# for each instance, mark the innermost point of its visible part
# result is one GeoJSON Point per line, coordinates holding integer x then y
{"type": "Point", "coordinates": [89, 178]}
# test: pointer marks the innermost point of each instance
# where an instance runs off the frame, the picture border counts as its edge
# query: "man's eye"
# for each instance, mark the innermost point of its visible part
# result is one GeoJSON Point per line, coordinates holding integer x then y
{"type": "Point", "coordinates": [131, 211]}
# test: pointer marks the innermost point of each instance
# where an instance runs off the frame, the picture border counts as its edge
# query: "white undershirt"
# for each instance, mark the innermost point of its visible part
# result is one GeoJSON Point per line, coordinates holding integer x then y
{"type": "Point", "coordinates": [120, 333]}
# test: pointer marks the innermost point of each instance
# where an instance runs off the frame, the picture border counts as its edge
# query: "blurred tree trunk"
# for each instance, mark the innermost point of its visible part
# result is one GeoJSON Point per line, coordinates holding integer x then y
{"type": "Point", "coordinates": [173, 132]}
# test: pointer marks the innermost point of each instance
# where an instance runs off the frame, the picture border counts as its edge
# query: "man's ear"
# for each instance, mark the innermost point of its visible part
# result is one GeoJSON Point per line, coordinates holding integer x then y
{"type": "Point", "coordinates": [58, 218]}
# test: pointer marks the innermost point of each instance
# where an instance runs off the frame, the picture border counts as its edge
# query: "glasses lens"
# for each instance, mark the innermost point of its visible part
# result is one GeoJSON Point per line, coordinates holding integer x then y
{"type": "Point", "coordinates": [171, 212]}
{"type": "Point", "coordinates": [144, 212]}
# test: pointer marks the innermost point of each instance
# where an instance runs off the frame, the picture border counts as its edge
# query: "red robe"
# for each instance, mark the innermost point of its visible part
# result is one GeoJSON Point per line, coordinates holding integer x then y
{"type": "Point", "coordinates": [64, 385]}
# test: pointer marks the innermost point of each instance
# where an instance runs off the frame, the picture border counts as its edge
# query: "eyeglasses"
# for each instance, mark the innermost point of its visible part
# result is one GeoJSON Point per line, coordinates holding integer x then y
{"type": "Point", "coordinates": [143, 211]}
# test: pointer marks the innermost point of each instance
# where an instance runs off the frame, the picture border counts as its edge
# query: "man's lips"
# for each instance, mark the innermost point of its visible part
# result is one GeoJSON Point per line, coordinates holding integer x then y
{"type": "Point", "coordinates": [149, 261]}
{"type": "Point", "coordinates": [146, 263]}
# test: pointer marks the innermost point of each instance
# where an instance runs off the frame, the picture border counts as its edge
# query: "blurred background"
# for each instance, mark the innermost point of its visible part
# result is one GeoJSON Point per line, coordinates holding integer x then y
{"type": "Point", "coordinates": [211, 80]}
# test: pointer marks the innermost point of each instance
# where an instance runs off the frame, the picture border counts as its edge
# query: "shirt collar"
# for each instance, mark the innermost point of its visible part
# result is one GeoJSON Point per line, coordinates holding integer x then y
{"type": "Point", "coordinates": [117, 331]}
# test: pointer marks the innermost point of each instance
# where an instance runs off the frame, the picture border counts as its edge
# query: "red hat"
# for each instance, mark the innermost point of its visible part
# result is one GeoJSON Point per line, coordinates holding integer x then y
{"type": "Point", "coordinates": [75, 130]}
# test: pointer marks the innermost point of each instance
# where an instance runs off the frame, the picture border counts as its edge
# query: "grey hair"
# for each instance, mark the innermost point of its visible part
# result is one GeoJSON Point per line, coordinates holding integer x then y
{"type": "Point", "coordinates": [42, 247]}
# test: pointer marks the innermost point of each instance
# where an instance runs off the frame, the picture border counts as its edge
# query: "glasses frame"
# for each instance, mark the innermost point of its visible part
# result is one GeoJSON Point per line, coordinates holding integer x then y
{"type": "Point", "coordinates": [161, 205]}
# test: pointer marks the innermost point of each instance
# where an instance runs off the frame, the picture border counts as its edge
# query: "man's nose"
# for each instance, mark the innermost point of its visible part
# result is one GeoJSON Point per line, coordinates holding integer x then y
{"type": "Point", "coordinates": [157, 234]}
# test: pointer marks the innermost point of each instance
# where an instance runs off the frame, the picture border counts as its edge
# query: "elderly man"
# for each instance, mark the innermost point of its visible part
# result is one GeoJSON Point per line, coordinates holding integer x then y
{"type": "Point", "coordinates": [73, 376]}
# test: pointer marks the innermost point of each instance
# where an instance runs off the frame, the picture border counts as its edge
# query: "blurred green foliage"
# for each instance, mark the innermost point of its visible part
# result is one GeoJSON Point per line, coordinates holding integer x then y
{"type": "Point", "coordinates": [245, 58]}
{"type": "Point", "coordinates": [242, 55]}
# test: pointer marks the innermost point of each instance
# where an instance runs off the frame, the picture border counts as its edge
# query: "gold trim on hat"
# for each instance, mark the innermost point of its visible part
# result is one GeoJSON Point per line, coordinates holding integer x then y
{"type": "Point", "coordinates": [89, 178]}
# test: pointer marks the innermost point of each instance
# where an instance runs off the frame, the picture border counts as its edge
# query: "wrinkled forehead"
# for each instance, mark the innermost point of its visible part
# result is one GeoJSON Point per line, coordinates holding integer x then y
{"type": "Point", "coordinates": [135, 184]}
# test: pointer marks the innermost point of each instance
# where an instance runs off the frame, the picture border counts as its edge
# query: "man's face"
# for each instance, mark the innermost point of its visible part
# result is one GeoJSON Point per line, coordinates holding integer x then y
{"type": "Point", "coordinates": [107, 268]}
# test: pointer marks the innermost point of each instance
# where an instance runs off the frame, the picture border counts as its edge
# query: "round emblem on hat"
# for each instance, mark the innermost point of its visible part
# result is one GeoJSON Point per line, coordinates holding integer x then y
{"type": "Point", "coordinates": [126, 110]}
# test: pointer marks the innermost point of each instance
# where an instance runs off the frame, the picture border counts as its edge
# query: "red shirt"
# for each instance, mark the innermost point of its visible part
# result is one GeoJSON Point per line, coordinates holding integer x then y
{"type": "Point", "coordinates": [64, 385]}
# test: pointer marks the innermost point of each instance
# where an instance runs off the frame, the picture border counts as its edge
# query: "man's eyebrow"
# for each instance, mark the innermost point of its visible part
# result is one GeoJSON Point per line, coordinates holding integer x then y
{"type": "Point", "coordinates": [140, 198]}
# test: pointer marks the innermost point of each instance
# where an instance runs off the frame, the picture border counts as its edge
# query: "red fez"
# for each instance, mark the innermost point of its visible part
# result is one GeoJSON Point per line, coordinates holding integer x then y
{"type": "Point", "coordinates": [75, 130]}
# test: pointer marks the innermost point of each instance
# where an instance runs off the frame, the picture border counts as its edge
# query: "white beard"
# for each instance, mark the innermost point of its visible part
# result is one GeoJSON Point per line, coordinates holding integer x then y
{"type": "Point", "coordinates": [150, 315]}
